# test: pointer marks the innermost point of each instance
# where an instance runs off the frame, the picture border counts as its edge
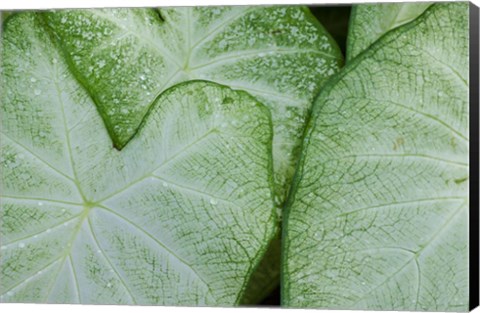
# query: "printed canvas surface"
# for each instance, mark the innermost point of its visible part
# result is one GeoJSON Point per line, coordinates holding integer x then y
{"type": "Point", "coordinates": [237, 155]}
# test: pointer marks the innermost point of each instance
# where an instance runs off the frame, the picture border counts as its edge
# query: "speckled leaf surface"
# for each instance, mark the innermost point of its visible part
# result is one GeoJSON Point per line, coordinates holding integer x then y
{"type": "Point", "coordinates": [126, 57]}
{"type": "Point", "coordinates": [379, 214]}
{"type": "Point", "coordinates": [368, 22]}
{"type": "Point", "coordinates": [180, 216]}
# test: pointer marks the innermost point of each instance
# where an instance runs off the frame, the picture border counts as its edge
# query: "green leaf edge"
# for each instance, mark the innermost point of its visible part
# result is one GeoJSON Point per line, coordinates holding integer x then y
{"type": "Point", "coordinates": [268, 286]}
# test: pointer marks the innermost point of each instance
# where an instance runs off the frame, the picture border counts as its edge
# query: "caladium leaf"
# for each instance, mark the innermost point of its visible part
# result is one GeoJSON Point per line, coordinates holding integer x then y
{"type": "Point", "coordinates": [126, 57]}
{"type": "Point", "coordinates": [378, 217]}
{"type": "Point", "coordinates": [182, 215]}
{"type": "Point", "coordinates": [368, 22]}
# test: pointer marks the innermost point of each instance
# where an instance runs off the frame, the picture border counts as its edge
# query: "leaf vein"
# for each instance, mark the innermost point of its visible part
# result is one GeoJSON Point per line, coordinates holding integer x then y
{"type": "Point", "coordinates": [164, 163]}
{"type": "Point", "coordinates": [156, 240]}
{"type": "Point", "coordinates": [94, 237]}
{"type": "Point", "coordinates": [44, 231]}
{"type": "Point", "coordinates": [36, 156]}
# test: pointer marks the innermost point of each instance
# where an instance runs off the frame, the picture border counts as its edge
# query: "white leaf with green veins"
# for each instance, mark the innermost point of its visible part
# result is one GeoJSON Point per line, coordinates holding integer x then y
{"type": "Point", "coordinates": [180, 216]}
{"type": "Point", "coordinates": [126, 57]}
{"type": "Point", "coordinates": [368, 22]}
{"type": "Point", "coordinates": [378, 219]}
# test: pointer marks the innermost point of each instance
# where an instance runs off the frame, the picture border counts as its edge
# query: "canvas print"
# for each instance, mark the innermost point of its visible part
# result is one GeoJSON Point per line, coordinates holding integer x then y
{"type": "Point", "coordinates": [307, 157]}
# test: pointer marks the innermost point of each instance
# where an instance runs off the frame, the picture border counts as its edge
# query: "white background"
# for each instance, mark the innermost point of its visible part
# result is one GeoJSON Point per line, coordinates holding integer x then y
{"type": "Point", "coordinates": [44, 4]}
